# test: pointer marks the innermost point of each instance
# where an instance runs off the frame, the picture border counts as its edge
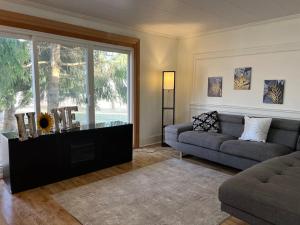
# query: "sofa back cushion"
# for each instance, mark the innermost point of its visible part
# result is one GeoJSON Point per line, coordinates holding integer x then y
{"type": "Point", "coordinates": [285, 132]}
{"type": "Point", "coordinates": [282, 131]}
{"type": "Point", "coordinates": [231, 124]}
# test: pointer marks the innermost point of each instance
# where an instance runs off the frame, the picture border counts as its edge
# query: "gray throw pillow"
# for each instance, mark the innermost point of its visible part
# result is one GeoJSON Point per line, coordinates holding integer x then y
{"type": "Point", "coordinates": [208, 122]}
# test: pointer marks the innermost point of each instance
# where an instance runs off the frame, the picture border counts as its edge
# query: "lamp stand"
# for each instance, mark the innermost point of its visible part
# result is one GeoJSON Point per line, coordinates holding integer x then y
{"type": "Point", "coordinates": [167, 108]}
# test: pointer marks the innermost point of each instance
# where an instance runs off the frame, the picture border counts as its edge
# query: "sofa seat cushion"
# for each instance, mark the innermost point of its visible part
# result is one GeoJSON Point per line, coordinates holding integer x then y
{"type": "Point", "coordinates": [204, 139]}
{"type": "Point", "coordinates": [254, 150]}
{"type": "Point", "coordinates": [269, 190]}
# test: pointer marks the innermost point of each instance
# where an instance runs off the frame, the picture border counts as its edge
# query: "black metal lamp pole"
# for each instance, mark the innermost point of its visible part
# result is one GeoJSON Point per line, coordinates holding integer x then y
{"type": "Point", "coordinates": [168, 84]}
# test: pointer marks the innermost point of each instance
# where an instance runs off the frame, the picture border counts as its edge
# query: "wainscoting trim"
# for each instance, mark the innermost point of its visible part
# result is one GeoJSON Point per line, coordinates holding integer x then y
{"type": "Point", "coordinates": [245, 110]}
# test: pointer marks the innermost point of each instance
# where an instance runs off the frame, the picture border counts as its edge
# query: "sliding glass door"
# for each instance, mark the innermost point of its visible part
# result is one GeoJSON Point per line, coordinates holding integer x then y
{"type": "Point", "coordinates": [111, 86]}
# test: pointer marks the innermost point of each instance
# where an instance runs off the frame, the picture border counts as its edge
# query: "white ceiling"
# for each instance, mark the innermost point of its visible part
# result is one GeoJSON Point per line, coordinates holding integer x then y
{"type": "Point", "coordinates": [178, 17]}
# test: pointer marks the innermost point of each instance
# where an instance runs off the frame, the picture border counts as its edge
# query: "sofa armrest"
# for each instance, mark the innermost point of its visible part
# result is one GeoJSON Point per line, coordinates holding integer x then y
{"type": "Point", "coordinates": [172, 131]}
{"type": "Point", "coordinates": [298, 144]}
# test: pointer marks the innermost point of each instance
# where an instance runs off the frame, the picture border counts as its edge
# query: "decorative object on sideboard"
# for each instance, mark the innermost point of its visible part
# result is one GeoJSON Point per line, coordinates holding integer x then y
{"type": "Point", "coordinates": [59, 119]}
{"type": "Point", "coordinates": [71, 116]}
{"type": "Point", "coordinates": [168, 100]}
{"type": "Point", "coordinates": [62, 117]}
{"type": "Point", "coordinates": [242, 78]}
{"type": "Point", "coordinates": [45, 123]}
{"type": "Point", "coordinates": [21, 126]}
{"type": "Point", "coordinates": [273, 91]}
{"type": "Point", "coordinates": [32, 124]}
{"type": "Point", "coordinates": [214, 87]}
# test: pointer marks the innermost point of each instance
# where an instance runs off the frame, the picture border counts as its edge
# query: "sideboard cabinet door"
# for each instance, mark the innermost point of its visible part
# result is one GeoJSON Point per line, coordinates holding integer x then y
{"type": "Point", "coordinates": [34, 162]}
{"type": "Point", "coordinates": [117, 145]}
{"type": "Point", "coordinates": [80, 152]}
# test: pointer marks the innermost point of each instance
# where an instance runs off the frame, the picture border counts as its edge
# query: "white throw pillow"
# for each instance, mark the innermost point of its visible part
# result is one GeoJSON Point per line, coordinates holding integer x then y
{"type": "Point", "coordinates": [256, 129]}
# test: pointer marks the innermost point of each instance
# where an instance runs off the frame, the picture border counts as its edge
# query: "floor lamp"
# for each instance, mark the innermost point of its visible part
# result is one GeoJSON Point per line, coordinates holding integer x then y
{"type": "Point", "coordinates": [168, 101]}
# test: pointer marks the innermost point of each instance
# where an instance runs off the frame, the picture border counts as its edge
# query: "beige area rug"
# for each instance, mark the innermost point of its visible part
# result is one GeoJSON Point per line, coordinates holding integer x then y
{"type": "Point", "coordinates": [172, 192]}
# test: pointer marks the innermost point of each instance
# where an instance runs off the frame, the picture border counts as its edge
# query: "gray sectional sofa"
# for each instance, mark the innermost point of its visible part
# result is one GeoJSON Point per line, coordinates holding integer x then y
{"type": "Point", "coordinates": [226, 149]}
{"type": "Point", "coordinates": [265, 194]}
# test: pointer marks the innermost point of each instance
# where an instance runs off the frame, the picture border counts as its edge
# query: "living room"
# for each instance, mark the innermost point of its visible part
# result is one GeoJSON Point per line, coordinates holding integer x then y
{"type": "Point", "coordinates": [149, 112]}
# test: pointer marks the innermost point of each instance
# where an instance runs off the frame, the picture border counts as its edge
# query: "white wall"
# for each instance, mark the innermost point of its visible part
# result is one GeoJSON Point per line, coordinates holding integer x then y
{"type": "Point", "coordinates": [158, 53]}
{"type": "Point", "coordinates": [271, 49]}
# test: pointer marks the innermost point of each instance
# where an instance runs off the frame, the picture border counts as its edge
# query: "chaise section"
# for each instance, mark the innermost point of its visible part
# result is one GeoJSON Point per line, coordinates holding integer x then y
{"type": "Point", "coordinates": [258, 151]}
{"type": "Point", "coordinates": [267, 193]}
{"type": "Point", "coordinates": [208, 140]}
{"type": "Point", "coordinates": [172, 131]}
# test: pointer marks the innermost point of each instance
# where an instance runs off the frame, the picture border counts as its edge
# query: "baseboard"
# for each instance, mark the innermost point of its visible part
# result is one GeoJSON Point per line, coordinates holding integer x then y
{"type": "Point", "coordinates": [152, 140]}
{"type": "Point", "coordinates": [152, 145]}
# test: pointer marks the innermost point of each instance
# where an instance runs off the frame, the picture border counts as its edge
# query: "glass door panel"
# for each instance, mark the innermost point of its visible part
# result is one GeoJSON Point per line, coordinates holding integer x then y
{"type": "Point", "coordinates": [15, 81]}
{"type": "Point", "coordinates": [111, 86]}
{"type": "Point", "coordinates": [62, 72]}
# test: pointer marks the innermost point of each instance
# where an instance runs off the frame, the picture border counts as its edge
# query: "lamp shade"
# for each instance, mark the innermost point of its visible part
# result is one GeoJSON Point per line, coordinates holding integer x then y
{"type": "Point", "coordinates": [168, 80]}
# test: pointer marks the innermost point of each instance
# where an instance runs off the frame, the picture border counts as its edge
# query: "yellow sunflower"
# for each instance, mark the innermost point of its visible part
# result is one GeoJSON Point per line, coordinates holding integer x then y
{"type": "Point", "coordinates": [45, 122]}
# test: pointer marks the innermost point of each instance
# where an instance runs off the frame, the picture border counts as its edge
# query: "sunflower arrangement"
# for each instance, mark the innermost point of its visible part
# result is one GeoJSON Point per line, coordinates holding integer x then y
{"type": "Point", "coordinates": [45, 122]}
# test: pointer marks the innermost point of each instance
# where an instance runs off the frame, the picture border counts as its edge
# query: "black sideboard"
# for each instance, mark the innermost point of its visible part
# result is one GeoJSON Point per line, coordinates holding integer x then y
{"type": "Point", "coordinates": [54, 157]}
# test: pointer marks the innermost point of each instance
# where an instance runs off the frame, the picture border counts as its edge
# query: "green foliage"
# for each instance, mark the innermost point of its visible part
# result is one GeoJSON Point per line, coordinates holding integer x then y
{"type": "Point", "coordinates": [44, 57]}
{"type": "Point", "coordinates": [120, 77]}
{"type": "Point", "coordinates": [110, 76]}
{"type": "Point", "coordinates": [15, 73]}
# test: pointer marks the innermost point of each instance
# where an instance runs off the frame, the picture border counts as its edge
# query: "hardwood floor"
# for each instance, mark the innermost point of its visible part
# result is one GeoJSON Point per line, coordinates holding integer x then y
{"type": "Point", "coordinates": [36, 206]}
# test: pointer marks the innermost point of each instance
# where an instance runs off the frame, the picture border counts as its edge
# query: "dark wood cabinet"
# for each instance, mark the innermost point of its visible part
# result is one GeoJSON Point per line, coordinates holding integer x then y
{"type": "Point", "coordinates": [54, 157]}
